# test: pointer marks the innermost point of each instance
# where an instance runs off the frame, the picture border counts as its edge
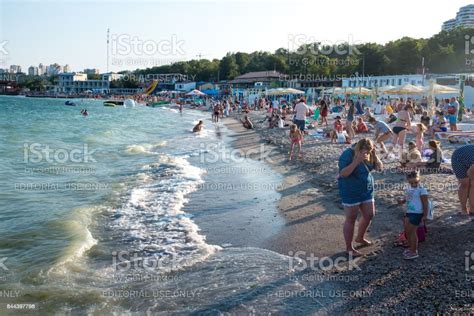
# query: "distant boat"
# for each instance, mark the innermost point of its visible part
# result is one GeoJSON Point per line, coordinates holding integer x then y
{"type": "Point", "coordinates": [70, 103]}
{"type": "Point", "coordinates": [113, 103]}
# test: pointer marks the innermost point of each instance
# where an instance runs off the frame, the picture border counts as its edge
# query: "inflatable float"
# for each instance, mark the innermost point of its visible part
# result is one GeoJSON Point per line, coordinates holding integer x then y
{"type": "Point", "coordinates": [113, 103]}
{"type": "Point", "coordinates": [129, 103]}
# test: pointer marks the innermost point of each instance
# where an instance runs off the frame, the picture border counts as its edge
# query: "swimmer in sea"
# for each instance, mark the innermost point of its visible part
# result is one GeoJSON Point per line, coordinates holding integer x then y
{"type": "Point", "coordinates": [199, 126]}
{"type": "Point", "coordinates": [247, 123]}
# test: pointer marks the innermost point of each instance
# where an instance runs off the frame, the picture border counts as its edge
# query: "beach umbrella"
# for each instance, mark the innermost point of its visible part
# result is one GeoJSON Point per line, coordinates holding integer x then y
{"type": "Point", "coordinates": [293, 91]}
{"type": "Point", "coordinates": [274, 91]}
{"type": "Point", "coordinates": [277, 91]}
{"type": "Point", "coordinates": [440, 89]}
{"type": "Point", "coordinates": [338, 90]}
{"type": "Point", "coordinates": [384, 89]}
{"type": "Point", "coordinates": [406, 89]}
{"type": "Point", "coordinates": [195, 92]}
{"type": "Point", "coordinates": [358, 91]}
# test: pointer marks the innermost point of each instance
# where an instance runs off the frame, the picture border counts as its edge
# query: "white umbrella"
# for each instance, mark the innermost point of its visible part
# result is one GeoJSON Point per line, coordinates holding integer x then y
{"type": "Point", "coordinates": [293, 91]}
{"type": "Point", "coordinates": [384, 89]}
{"type": "Point", "coordinates": [406, 89]}
{"type": "Point", "coordinates": [196, 93]}
{"type": "Point", "coordinates": [358, 90]}
{"type": "Point", "coordinates": [338, 90]}
{"type": "Point", "coordinates": [440, 89]}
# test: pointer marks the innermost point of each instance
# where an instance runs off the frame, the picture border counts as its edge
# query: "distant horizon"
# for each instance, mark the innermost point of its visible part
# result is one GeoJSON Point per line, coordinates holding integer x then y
{"type": "Point", "coordinates": [159, 32]}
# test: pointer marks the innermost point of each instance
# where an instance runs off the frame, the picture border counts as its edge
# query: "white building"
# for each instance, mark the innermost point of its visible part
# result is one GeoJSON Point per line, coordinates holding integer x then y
{"type": "Point", "coordinates": [15, 69]}
{"type": "Point", "coordinates": [33, 71]}
{"type": "Point", "coordinates": [185, 86]}
{"type": "Point", "coordinates": [73, 82]}
{"type": "Point", "coordinates": [380, 81]}
{"type": "Point", "coordinates": [464, 18]}
{"type": "Point", "coordinates": [451, 80]}
{"type": "Point", "coordinates": [41, 69]}
{"type": "Point", "coordinates": [66, 68]}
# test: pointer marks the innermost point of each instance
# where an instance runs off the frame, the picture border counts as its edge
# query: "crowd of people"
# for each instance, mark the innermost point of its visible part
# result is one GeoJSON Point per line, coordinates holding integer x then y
{"type": "Point", "coordinates": [392, 121]}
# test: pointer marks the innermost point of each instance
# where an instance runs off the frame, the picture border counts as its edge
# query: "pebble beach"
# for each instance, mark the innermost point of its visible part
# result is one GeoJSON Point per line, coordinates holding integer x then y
{"type": "Point", "coordinates": [383, 281]}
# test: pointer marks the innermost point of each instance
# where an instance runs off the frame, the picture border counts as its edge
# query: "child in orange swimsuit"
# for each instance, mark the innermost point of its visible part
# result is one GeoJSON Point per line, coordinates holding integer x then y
{"type": "Point", "coordinates": [361, 126]}
{"type": "Point", "coordinates": [296, 138]}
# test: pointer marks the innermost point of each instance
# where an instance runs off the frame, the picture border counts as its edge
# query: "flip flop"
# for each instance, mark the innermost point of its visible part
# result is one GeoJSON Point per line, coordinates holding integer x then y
{"type": "Point", "coordinates": [410, 255]}
{"type": "Point", "coordinates": [364, 244]}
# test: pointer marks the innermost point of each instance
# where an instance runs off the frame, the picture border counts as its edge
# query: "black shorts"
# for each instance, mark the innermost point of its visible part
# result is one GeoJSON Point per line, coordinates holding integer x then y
{"type": "Point", "coordinates": [414, 218]}
{"type": "Point", "coordinates": [398, 129]}
{"type": "Point", "coordinates": [300, 124]}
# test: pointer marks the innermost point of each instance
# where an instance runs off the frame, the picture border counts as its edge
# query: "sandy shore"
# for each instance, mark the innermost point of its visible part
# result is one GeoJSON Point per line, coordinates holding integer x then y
{"type": "Point", "coordinates": [439, 281]}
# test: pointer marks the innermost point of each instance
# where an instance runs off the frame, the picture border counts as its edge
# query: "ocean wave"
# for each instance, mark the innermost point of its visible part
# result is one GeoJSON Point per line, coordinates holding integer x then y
{"type": "Point", "coordinates": [151, 223]}
{"type": "Point", "coordinates": [77, 227]}
{"type": "Point", "coordinates": [144, 148]}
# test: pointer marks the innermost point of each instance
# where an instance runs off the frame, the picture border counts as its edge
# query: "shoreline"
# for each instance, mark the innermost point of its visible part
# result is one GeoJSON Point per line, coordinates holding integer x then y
{"type": "Point", "coordinates": [295, 206]}
{"type": "Point", "coordinates": [313, 214]}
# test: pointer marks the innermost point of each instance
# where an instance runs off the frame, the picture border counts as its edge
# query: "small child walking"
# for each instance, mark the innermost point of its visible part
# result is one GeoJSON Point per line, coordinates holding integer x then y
{"type": "Point", "coordinates": [420, 133]}
{"type": "Point", "coordinates": [296, 138]}
{"type": "Point", "coordinates": [416, 199]}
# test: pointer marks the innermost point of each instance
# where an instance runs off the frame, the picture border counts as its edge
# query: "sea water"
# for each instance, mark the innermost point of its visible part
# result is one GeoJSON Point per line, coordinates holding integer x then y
{"type": "Point", "coordinates": [98, 213]}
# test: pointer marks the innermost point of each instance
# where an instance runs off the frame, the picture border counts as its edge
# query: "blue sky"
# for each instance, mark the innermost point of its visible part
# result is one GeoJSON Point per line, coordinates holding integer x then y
{"type": "Point", "coordinates": [74, 32]}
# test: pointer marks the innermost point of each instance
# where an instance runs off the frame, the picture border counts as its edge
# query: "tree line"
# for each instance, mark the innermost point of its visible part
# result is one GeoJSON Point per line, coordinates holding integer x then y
{"type": "Point", "coordinates": [445, 52]}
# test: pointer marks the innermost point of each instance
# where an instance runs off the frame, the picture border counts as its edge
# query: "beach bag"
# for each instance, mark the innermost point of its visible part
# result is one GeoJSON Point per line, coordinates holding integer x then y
{"type": "Point", "coordinates": [421, 232]}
